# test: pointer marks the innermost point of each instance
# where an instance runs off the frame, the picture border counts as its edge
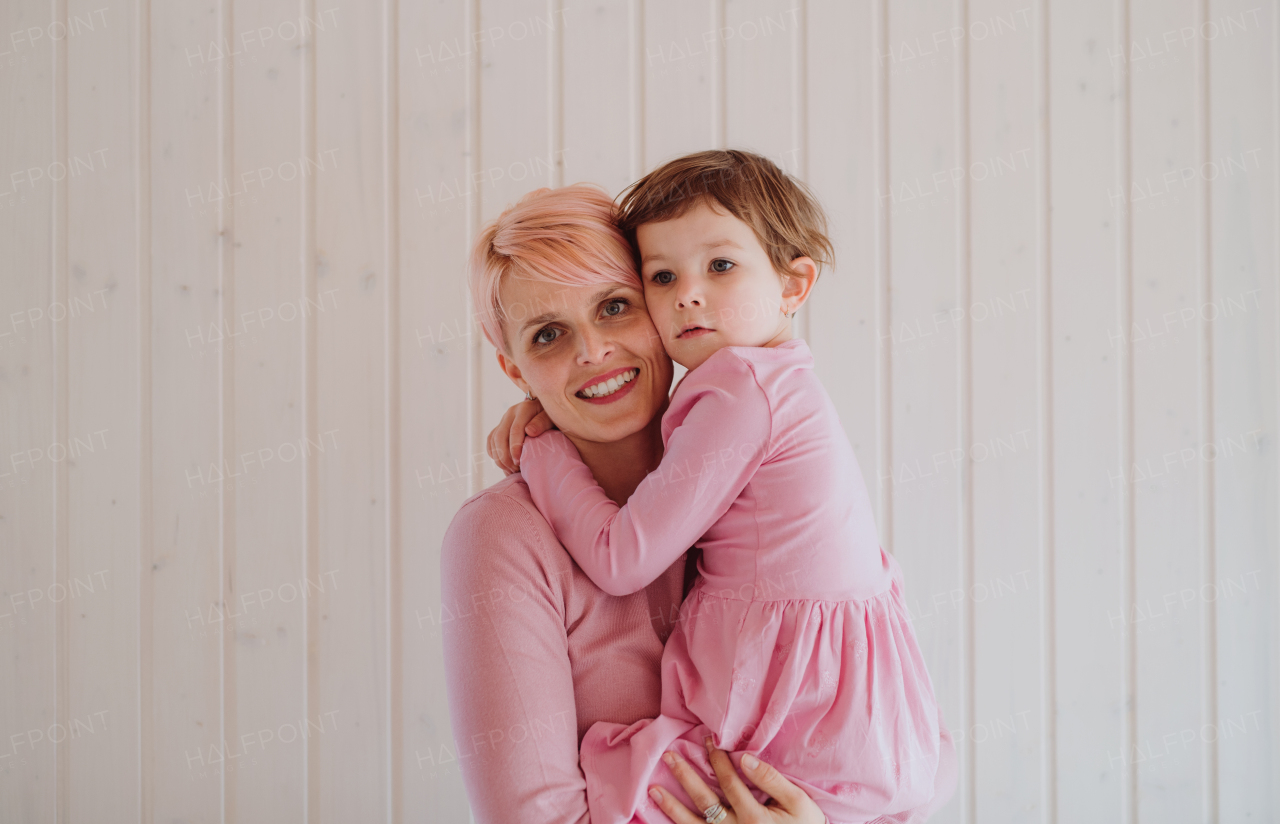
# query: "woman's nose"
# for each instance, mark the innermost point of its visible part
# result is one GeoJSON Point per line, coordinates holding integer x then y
{"type": "Point", "coordinates": [595, 347]}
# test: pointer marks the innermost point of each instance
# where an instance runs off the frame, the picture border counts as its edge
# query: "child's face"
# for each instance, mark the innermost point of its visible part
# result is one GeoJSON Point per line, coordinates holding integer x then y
{"type": "Point", "coordinates": [709, 284]}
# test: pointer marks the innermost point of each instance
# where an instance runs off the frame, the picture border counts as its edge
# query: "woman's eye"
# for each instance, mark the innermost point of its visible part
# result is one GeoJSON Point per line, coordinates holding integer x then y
{"type": "Point", "coordinates": [664, 277]}
{"type": "Point", "coordinates": [720, 265]}
{"type": "Point", "coordinates": [542, 335]}
{"type": "Point", "coordinates": [614, 308]}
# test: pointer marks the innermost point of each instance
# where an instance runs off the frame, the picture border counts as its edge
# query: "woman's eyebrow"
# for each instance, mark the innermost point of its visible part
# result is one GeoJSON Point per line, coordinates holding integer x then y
{"type": "Point", "coordinates": [545, 317]}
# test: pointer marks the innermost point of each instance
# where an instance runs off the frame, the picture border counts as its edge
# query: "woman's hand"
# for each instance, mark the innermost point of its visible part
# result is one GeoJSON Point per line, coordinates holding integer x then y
{"type": "Point", "coordinates": [787, 803]}
{"type": "Point", "coordinates": [525, 419]}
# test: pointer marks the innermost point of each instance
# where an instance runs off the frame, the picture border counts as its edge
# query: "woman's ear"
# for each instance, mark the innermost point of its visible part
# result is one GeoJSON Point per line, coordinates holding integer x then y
{"type": "Point", "coordinates": [512, 371]}
{"type": "Point", "coordinates": [798, 283]}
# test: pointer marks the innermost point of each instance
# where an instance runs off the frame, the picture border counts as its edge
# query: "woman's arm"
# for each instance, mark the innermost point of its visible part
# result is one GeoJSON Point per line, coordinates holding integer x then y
{"type": "Point", "coordinates": [722, 429]}
{"type": "Point", "coordinates": [509, 679]}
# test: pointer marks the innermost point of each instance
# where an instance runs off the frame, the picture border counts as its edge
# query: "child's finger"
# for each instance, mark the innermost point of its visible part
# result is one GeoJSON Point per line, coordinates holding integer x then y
{"type": "Point", "coordinates": [525, 412]}
{"type": "Point", "coordinates": [538, 425]}
{"type": "Point", "coordinates": [497, 445]}
{"type": "Point", "coordinates": [491, 446]}
{"type": "Point", "coordinates": [515, 443]}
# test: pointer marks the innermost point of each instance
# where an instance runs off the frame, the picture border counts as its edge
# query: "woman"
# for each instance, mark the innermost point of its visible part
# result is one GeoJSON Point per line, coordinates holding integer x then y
{"type": "Point", "coordinates": [534, 652]}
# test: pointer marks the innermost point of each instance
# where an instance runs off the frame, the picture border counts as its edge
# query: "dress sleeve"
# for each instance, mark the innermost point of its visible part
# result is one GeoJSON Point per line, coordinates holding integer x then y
{"type": "Point", "coordinates": [508, 675]}
{"type": "Point", "coordinates": [720, 437]}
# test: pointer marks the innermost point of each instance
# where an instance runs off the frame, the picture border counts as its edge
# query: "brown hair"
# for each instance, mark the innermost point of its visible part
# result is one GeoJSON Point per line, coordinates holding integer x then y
{"type": "Point", "coordinates": [782, 212]}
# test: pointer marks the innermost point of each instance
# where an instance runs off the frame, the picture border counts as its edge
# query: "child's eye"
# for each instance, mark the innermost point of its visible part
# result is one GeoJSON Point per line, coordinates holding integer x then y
{"type": "Point", "coordinates": [720, 265]}
{"type": "Point", "coordinates": [540, 337]}
{"type": "Point", "coordinates": [615, 307]}
{"type": "Point", "coordinates": [664, 277]}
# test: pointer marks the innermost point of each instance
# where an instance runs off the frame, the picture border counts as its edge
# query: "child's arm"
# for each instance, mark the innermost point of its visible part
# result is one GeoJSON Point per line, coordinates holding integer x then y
{"type": "Point", "coordinates": [721, 439]}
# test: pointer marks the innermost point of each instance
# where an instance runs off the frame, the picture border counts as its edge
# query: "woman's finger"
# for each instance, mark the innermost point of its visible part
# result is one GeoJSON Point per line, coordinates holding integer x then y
{"type": "Point", "coordinates": [674, 809]}
{"type": "Point", "coordinates": [702, 795]}
{"type": "Point", "coordinates": [735, 789]}
{"type": "Point", "coordinates": [788, 796]}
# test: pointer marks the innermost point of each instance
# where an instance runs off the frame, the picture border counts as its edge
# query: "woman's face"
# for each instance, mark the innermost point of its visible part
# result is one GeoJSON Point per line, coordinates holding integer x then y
{"type": "Point", "coordinates": [589, 353]}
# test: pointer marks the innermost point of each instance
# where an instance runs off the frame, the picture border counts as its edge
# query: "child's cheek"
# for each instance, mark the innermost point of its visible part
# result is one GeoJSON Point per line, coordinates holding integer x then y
{"type": "Point", "coordinates": [658, 308]}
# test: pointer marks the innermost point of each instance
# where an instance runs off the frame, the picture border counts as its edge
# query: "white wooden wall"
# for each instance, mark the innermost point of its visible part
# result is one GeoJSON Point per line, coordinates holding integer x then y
{"type": "Point", "coordinates": [242, 398]}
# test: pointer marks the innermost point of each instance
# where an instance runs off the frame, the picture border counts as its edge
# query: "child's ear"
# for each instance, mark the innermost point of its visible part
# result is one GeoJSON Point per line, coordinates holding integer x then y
{"type": "Point", "coordinates": [798, 283]}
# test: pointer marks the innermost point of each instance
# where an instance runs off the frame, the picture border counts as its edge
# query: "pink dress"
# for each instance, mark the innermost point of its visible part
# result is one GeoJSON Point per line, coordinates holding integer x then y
{"type": "Point", "coordinates": [795, 644]}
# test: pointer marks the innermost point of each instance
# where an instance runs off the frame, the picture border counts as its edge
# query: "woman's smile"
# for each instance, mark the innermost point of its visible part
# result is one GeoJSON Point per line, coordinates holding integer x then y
{"type": "Point", "coordinates": [609, 387]}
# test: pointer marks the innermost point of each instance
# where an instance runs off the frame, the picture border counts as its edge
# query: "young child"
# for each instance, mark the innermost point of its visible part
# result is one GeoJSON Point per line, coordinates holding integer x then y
{"type": "Point", "coordinates": [795, 644]}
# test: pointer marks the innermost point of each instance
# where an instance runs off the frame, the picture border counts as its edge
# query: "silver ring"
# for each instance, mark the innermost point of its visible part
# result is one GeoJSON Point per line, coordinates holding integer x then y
{"type": "Point", "coordinates": [714, 814]}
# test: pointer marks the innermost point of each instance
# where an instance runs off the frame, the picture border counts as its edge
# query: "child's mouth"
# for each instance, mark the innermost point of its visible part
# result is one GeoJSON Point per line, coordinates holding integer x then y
{"type": "Point", "coordinates": [694, 332]}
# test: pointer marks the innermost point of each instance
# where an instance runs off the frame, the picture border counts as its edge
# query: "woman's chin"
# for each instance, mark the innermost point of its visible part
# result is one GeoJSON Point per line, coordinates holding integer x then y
{"type": "Point", "coordinates": [605, 424]}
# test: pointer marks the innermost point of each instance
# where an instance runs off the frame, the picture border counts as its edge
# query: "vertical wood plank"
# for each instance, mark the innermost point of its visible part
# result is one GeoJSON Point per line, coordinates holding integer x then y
{"type": "Point", "coordinates": [1241, 319]}
{"type": "Point", "coordinates": [102, 501]}
{"type": "Point", "coordinates": [28, 644]}
{"type": "Point", "coordinates": [841, 172]}
{"type": "Point", "coordinates": [1044, 389]}
{"type": "Point", "coordinates": [436, 333]}
{"type": "Point", "coordinates": [351, 755]}
{"type": "Point", "coordinates": [926, 511]}
{"type": "Point", "coordinates": [1167, 516]}
{"type": "Point", "coordinates": [1086, 226]}
{"type": "Point", "coordinates": [271, 583]}
{"type": "Point", "coordinates": [189, 751]}
{"type": "Point", "coordinates": [1008, 722]}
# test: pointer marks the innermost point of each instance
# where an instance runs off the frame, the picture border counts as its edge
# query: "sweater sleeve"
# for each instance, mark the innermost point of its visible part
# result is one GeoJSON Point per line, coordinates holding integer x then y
{"type": "Point", "coordinates": [508, 674]}
{"type": "Point", "coordinates": [720, 437]}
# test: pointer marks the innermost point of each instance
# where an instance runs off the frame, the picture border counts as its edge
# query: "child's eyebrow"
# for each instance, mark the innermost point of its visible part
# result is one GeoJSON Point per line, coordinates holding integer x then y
{"type": "Point", "coordinates": [709, 245]}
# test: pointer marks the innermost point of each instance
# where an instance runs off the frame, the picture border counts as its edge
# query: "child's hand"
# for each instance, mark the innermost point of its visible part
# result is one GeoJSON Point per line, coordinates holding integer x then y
{"type": "Point", "coordinates": [525, 419]}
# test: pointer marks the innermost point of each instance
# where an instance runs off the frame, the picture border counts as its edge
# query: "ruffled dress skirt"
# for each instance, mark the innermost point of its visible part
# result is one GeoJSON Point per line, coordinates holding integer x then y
{"type": "Point", "coordinates": [834, 694]}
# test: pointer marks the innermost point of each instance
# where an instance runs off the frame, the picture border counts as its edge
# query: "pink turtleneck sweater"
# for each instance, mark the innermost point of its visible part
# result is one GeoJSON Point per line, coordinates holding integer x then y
{"type": "Point", "coordinates": [535, 653]}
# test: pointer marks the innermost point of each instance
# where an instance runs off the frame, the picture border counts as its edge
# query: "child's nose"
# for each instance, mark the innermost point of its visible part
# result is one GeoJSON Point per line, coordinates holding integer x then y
{"type": "Point", "coordinates": [688, 298]}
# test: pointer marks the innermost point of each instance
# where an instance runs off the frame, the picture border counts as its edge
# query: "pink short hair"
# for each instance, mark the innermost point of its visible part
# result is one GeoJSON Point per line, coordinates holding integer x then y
{"type": "Point", "coordinates": [568, 235]}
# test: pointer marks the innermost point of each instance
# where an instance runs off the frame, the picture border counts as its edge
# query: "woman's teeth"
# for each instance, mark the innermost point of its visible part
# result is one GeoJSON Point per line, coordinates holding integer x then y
{"type": "Point", "coordinates": [610, 386]}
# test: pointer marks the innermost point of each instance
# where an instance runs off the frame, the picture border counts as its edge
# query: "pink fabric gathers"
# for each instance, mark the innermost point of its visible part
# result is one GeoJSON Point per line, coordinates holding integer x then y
{"type": "Point", "coordinates": [795, 643]}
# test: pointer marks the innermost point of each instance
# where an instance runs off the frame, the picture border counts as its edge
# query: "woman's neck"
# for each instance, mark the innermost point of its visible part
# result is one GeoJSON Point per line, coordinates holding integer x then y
{"type": "Point", "coordinates": [620, 466]}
